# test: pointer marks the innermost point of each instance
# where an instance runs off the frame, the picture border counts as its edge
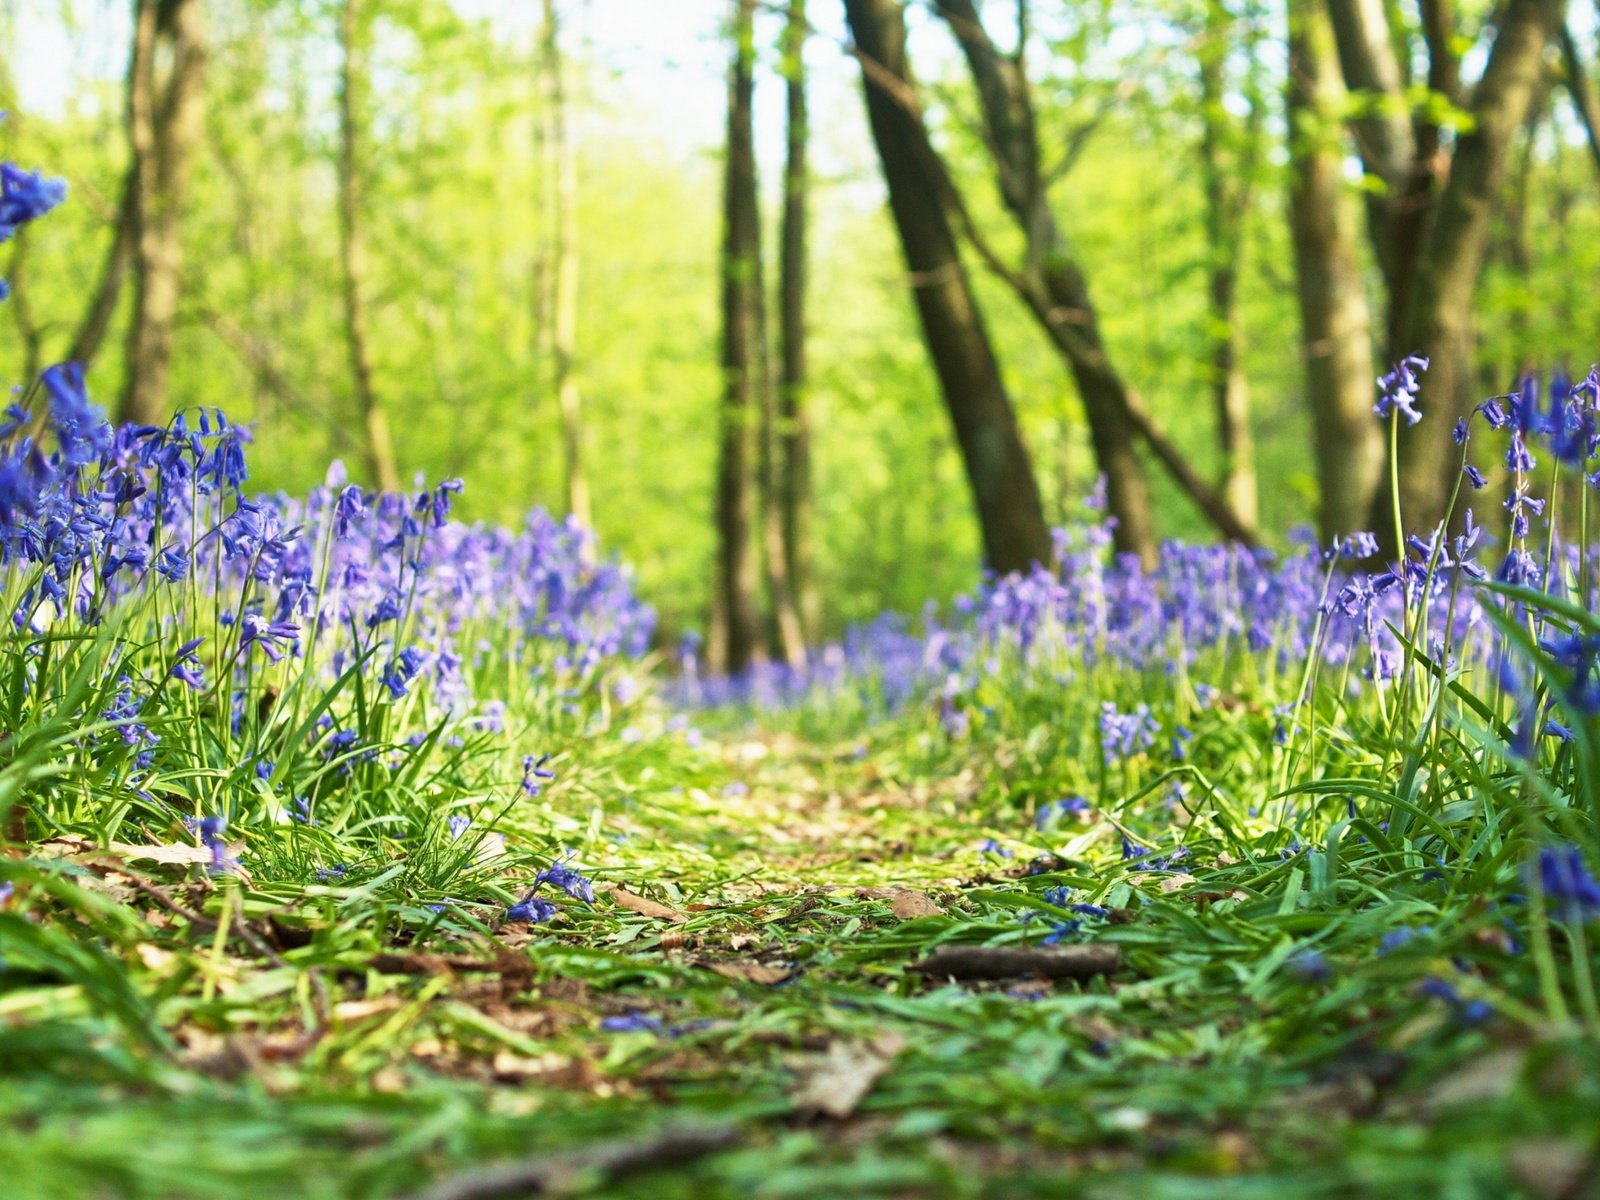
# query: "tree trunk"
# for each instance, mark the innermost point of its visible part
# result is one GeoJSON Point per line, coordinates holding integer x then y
{"type": "Point", "coordinates": [1227, 187]}
{"type": "Point", "coordinates": [381, 469]}
{"type": "Point", "coordinates": [794, 484]}
{"type": "Point", "coordinates": [1336, 345]}
{"type": "Point", "coordinates": [1382, 126]}
{"type": "Point", "coordinates": [165, 121]}
{"type": "Point", "coordinates": [561, 170]}
{"type": "Point", "coordinates": [1005, 493]}
{"type": "Point", "coordinates": [735, 624]}
{"type": "Point", "coordinates": [1063, 290]}
{"type": "Point", "coordinates": [1438, 320]}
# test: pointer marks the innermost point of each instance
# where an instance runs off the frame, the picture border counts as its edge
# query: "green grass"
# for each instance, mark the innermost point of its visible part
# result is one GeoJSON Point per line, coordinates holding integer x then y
{"type": "Point", "coordinates": [176, 1035]}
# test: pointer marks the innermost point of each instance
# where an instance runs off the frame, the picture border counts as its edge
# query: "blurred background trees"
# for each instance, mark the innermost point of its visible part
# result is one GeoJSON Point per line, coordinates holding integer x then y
{"type": "Point", "coordinates": [1011, 247]}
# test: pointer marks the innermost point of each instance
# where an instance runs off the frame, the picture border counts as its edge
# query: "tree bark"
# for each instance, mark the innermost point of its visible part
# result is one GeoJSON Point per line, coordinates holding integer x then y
{"type": "Point", "coordinates": [1011, 133]}
{"type": "Point", "coordinates": [1438, 319]}
{"type": "Point", "coordinates": [1336, 346]}
{"type": "Point", "coordinates": [1581, 91]}
{"type": "Point", "coordinates": [165, 118]}
{"type": "Point", "coordinates": [381, 469]}
{"type": "Point", "coordinates": [1383, 128]}
{"type": "Point", "coordinates": [794, 486]}
{"type": "Point", "coordinates": [561, 173]}
{"type": "Point", "coordinates": [1005, 493]}
{"type": "Point", "coordinates": [735, 624]}
{"type": "Point", "coordinates": [1228, 191]}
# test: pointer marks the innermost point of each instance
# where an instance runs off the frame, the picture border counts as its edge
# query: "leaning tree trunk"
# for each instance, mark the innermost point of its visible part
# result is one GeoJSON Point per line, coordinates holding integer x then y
{"type": "Point", "coordinates": [381, 467]}
{"type": "Point", "coordinates": [1004, 490]}
{"type": "Point", "coordinates": [1227, 205]}
{"type": "Point", "coordinates": [789, 637]}
{"type": "Point", "coordinates": [735, 622]}
{"type": "Point", "coordinates": [561, 170]}
{"type": "Point", "coordinates": [165, 119]}
{"type": "Point", "coordinates": [794, 441]}
{"type": "Point", "coordinates": [1335, 338]}
{"type": "Point", "coordinates": [1061, 292]}
{"type": "Point", "coordinates": [96, 322]}
{"type": "Point", "coordinates": [1438, 321]}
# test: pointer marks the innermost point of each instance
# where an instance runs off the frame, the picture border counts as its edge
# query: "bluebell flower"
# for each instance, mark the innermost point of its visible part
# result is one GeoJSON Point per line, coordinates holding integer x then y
{"type": "Point", "coordinates": [1399, 389]}
{"type": "Point", "coordinates": [1359, 546]}
{"type": "Point", "coordinates": [211, 830]}
{"type": "Point", "coordinates": [1310, 965]}
{"type": "Point", "coordinates": [272, 636]}
{"type": "Point", "coordinates": [1399, 938]}
{"type": "Point", "coordinates": [561, 875]}
{"type": "Point", "coordinates": [1475, 478]}
{"type": "Point", "coordinates": [349, 510]}
{"type": "Point", "coordinates": [1467, 1012]}
{"type": "Point", "coordinates": [634, 1022]}
{"type": "Point", "coordinates": [186, 667]}
{"type": "Point", "coordinates": [402, 669]}
{"type": "Point", "coordinates": [1566, 881]}
{"type": "Point", "coordinates": [532, 909]}
{"type": "Point", "coordinates": [534, 774]}
{"type": "Point", "coordinates": [81, 428]}
{"type": "Point", "coordinates": [459, 823]}
{"type": "Point", "coordinates": [1518, 457]}
{"type": "Point", "coordinates": [1122, 735]}
{"type": "Point", "coordinates": [24, 196]}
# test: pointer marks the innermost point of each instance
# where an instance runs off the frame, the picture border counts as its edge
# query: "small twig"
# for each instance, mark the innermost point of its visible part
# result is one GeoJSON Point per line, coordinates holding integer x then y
{"type": "Point", "coordinates": [542, 1173]}
{"type": "Point", "coordinates": [247, 935]}
{"type": "Point", "coordinates": [1009, 962]}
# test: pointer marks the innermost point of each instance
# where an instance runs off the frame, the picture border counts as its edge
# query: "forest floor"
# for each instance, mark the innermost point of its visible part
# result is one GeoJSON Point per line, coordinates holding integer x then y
{"type": "Point", "coordinates": [741, 1013]}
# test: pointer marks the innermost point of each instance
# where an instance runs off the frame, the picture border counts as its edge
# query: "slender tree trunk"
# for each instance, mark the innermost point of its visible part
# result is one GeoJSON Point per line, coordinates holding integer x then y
{"type": "Point", "coordinates": [1005, 493]}
{"type": "Point", "coordinates": [1581, 91]}
{"type": "Point", "coordinates": [736, 624]}
{"type": "Point", "coordinates": [794, 487]}
{"type": "Point", "coordinates": [1335, 324]}
{"type": "Point", "coordinates": [1438, 320]}
{"type": "Point", "coordinates": [789, 636]}
{"type": "Point", "coordinates": [1051, 271]}
{"type": "Point", "coordinates": [1227, 204]}
{"type": "Point", "coordinates": [561, 165]}
{"type": "Point", "coordinates": [381, 469]}
{"type": "Point", "coordinates": [165, 125]}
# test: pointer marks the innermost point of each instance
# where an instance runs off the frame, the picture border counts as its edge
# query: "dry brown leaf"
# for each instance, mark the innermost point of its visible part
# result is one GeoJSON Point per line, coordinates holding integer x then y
{"type": "Point", "coordinates": [676, 939]}
{"type": "Point", "coordinates": [645, 906]}
{"type": "Point", "coordinates": [356, 1010]}
{"type": "Point", "coordinates": [154, 957]}
{"type": "Point", "coordinates": [175, 854]}
{"type": "Point", "coordinates": [837, 1084]}
{"type": "Point", "coordinates": [1552, 1168]}
{"type": "Point", "coordinates": [751, 972]}
{"type": "Point", "coordinates": [744, 941]}
{"type": "Point", "coordinates": [909, 905]}
{"type": "Point", "coordinates": [509, 1066]}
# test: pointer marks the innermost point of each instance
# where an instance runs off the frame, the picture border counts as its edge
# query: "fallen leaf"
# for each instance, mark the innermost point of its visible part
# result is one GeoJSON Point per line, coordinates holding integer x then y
{"type": "Point", "coordinates": [744, 941]}
{"type": "Point", "coordinates": [509, 1066]}
{"type": "Point", "coordinates": [909, 905]}
{"type": "Point", "coordinates": [645, 906]}
{"type": "Point", "coordinates": [836, 1085]}
{"type": "Point", "coordinates": [175, 854]}
{"type": "Point", "coordinates": [751, 972]}
{"type": "Point", "coordinates": [355, 1010]}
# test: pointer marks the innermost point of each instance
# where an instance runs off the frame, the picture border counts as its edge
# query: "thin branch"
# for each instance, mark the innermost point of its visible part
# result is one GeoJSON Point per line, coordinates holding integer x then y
{"type": "Point", "coordinates": [1583, 98]}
